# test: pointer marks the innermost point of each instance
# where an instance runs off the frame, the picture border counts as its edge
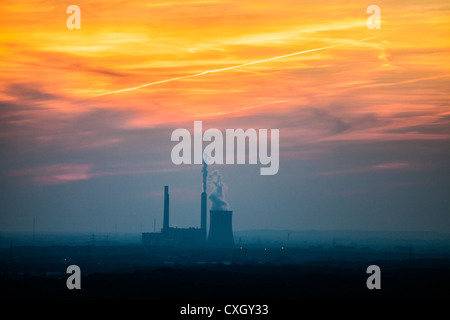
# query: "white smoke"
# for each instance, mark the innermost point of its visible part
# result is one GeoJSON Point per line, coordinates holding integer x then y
{"type": "Point", "coordinates": [205, 175]}
{"type": "Point", "coordinates": [217, 195]}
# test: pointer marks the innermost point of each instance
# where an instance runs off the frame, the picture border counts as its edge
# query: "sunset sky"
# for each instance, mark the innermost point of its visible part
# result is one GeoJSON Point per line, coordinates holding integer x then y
{"type": "Point", "coordinates": [86, 115]}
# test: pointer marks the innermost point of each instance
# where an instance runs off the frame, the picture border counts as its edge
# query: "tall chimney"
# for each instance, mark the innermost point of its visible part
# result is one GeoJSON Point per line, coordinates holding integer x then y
{"type": "Point", "coordinates": [166, 208]}
{"type": "Point", "coordinates": [220, 229]}
{"type": "Point", "coordinates": [203, 214]}
{"type": "Point", "coordinates": [204, 199]}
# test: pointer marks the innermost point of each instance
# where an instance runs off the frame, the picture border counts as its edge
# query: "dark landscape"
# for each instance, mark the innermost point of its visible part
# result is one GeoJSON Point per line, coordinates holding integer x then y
{"type": "Point", "coordinates": [258, 272]}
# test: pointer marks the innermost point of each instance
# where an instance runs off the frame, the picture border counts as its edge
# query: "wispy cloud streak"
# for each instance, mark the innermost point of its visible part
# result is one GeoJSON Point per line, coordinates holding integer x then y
{"type": "Point", "coordinates": [217, 70]}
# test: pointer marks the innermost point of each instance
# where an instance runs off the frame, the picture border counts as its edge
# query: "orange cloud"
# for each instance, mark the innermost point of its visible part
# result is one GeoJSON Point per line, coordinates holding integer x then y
{"type": "Point", "coordinates": [56, 174]}
{"type": "Point", "coordinates": [222, 55]}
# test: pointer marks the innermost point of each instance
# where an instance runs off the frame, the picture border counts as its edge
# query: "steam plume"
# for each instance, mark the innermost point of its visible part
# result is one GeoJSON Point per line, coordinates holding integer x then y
{"type": "Point", "coordinates": [217, 196]}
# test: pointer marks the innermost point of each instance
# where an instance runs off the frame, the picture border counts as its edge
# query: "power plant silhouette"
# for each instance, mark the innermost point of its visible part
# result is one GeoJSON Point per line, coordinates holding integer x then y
{"type": "Point", "coordinates": [220, 230]}
{"type": "Point", "coordinates": [220, 222]}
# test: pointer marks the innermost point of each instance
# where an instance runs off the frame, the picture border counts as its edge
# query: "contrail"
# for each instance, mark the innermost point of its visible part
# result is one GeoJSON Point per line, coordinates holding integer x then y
{"type": "Point", "coordinates": [216, 70]}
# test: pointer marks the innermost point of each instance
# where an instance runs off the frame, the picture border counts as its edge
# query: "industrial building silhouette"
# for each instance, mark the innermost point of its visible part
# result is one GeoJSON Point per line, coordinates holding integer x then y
{"type": "Point", "coordinates": [220, 229]}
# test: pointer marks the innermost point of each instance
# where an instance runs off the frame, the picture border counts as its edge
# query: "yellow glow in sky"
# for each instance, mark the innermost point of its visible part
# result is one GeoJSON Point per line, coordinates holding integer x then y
{"type": "Point", "coordinates": [165, 62]}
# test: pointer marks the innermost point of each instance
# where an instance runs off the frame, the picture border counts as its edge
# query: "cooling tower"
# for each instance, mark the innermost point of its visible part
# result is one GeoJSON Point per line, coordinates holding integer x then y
{"type": "Point", "coordinates": [220, 229]}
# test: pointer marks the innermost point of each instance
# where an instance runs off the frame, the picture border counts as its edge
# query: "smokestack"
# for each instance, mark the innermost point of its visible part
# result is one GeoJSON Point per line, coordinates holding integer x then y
{"type": "Point", "coordinates": [204, 199]}
{"type": "Point", "coordinates": [205, 174]}
{"type": "Point", "coordinates": [220, 229]}
{"type": "Point", "coordinates": [203, 215]}
{"type": "Point", "coordinates": [166, 208]}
